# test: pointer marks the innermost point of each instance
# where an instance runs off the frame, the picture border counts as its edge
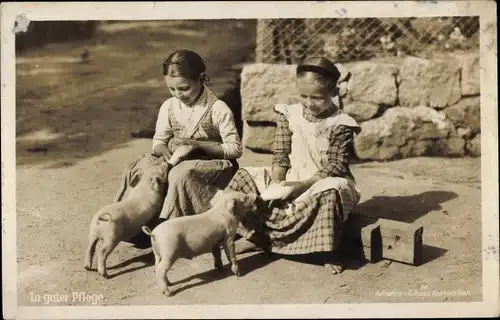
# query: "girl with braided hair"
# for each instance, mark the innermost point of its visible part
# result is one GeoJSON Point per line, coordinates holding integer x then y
{"type": "Point", "coordinates": [195, 134]}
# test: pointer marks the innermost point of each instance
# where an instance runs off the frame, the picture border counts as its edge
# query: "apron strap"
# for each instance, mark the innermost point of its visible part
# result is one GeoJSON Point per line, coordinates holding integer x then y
{"type": "Point", "coordinates": [212, 99]}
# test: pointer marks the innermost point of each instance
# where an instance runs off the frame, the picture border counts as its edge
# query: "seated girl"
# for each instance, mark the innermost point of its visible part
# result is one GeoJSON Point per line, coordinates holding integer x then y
{"type": "Point", "coordinates": [194, 124]}
{"type": "Point", "coordinates": [310, 165]}
{"type": "Point", "coordinates": [197, 136]}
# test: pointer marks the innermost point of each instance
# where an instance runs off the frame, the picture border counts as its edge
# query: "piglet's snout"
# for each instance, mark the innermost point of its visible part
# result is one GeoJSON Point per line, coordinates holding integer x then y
{"type": "Point", "coordinates": [246, 203]}
{"type": "Point", "coordinates": [236, 202]}
{"type": "Point", "coordinates": [249, 202]}
{"type": "Point", "coordinates": [163, 173]}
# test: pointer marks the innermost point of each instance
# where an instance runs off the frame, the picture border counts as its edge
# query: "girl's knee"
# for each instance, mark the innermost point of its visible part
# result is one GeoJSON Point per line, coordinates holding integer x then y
{"type": "Point", "coordinates": [180, 173]}
{"type": "Point", "coordinates": [331, 195]}
{"type": "Point", "coordinates": [241, 173]}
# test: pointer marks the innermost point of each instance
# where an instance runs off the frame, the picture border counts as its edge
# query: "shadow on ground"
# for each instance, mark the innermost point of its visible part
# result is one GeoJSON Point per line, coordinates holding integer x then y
{"type": "Point", "coordinates": [246, 265]}
{"type": "Point", "coordinates": [147, 259]}
{"type": "Point", "coordinates": [397, 208]}
{"type": "Point", "coordinates": [351, 257]}
{"type": "Point", "coordinates": [404, 208]}
{"type": "Point", "coordinates": [431, 253]}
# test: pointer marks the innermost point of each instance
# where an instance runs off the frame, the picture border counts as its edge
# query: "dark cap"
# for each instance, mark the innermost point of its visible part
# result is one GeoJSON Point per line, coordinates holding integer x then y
{"type": "Point", "coordinates": [319, 65]}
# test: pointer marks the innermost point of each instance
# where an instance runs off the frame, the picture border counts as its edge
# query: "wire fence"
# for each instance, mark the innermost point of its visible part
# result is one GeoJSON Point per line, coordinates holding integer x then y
{"type": "Point", "coordinates": [291, 40]}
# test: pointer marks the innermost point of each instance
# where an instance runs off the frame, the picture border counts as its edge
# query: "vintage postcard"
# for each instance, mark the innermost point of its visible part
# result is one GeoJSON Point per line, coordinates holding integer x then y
{"type": "Point", "coordinates": [257, 159]}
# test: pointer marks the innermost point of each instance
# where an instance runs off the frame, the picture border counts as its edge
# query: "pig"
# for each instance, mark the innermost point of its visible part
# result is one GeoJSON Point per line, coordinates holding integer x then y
{"type": "Point", "coordinates": [122, 220]}
{"type": "Point", "coordinates": [190, 236]}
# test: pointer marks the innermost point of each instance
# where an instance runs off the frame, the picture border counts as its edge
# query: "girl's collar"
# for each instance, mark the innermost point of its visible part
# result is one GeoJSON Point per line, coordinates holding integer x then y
{"type": "Point", "coordinates": [203, 93]}
{"type": "Point", "coordinates": [328, 112]}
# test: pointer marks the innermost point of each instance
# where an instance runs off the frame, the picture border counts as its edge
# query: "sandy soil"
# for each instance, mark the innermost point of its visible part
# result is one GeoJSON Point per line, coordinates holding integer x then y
{"type": "Point", "coordinates": [78, 117]}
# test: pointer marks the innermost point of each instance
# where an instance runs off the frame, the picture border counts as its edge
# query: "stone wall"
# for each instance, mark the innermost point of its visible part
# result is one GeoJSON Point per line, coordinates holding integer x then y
{"type": "Point", "coordinates": [406, 107]}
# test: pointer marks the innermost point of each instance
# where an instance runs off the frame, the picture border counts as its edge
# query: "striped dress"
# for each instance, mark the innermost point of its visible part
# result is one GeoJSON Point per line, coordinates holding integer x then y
{"type": "Point", "coordinates": [192, 183]}
{"type": "Point", "coordinates": [306, 146]}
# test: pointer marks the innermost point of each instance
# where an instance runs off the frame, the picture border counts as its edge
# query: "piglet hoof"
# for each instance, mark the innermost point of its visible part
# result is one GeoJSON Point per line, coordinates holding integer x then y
{"type": "Point", "coordinates": [87, 267]}
{"type": "Point", "coordinates": [167, 293]}
{"type": "Point", "coordinates": [105, 275]}
{"type": "Point", "coordinates": [235, 270]}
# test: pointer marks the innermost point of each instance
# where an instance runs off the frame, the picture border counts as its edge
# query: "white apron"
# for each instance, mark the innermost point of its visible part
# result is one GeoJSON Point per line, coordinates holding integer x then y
{"type": "Point", "coordinates": [310, 141]}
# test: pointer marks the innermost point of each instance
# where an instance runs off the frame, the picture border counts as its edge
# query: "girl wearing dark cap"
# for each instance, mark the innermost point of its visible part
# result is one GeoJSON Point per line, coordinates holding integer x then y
{"type": "Point", "coordinates": [313, 187]}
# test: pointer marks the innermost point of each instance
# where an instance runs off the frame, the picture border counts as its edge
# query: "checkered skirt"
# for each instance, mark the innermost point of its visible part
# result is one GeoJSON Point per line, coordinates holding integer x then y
{"type": "Point", "coordinates": [314, 225]}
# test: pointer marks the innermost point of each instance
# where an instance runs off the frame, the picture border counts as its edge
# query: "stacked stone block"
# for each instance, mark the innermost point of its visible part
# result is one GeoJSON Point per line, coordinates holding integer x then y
{"type": "Point", "coordinates": [406, 108]}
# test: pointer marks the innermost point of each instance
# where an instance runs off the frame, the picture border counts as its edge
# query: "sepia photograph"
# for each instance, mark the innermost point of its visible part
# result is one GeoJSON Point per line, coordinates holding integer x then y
{"type": "Point", "coordinates": [251, 159]}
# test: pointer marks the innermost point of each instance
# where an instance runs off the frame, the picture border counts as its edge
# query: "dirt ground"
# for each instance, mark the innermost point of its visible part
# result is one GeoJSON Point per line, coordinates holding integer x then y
{"type": "Point", "coordinates": [76, 120]}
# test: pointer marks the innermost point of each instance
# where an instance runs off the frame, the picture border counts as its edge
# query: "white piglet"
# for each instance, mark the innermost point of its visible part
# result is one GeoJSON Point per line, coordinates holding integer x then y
{"type": "Point", "coordinates": [120, 221]}
{"type": "Point", "coordinates": [190, 236]}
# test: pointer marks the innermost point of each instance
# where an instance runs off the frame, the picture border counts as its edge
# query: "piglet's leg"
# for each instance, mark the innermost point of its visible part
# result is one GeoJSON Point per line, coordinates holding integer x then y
{"type": "Point", "coordinates": [104, 251]}
{"type": "Point", "coordinates": [217, 257]}
{"type": "Point", "coordinates": [231, 254]}
{"type": "Point", "coordinates": [89, 254]}
{"type": "Point", "coordinates": [161, 274]}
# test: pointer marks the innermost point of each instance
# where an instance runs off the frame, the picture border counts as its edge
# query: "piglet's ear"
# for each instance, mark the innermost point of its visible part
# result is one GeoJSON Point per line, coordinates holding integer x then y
{"type": "Point", "coordinates": [155, 184]}
{"type": "Point", "coordinates": [163, 172]}
{"type": "Point", "coordinates": [136, 178]}
{"type": "Point", "coordinates": [230, 204]}
{"type": "Point", "coordinates": [252, 197]}
{"type": "Point", "coordinates": [250, 201]}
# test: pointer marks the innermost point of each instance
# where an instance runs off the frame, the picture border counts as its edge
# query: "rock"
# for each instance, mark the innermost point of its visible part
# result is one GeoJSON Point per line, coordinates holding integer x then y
{"type": "Point", "coordinates": [473, 146]}
{"type": "Point", "coordinates": [373, 82]}
{"type": "Point", "coordinates": [258, 138]}
{"type": "Point", "coordinates": [403, 132]}
{"type": "Point", "coordinates": [434, 83]}
{"type": "Point", "coordinates": [464, 132]}
{"type": "Point", "coordinates": [430, 124]}
{"type": "Point", "coordinates": [470, 81]}
{"type": "Point", "coordinates": [451, 147]}
{"type": "Point", "coordinates": [361, 111]}
{"type": "Point", "coordinates": [263, 86]}
{"type": "Point", "coordinates": [420, 148]}
{"type": "Point", "coordinates": [454, 147]}
{"type": "Point", "coordinates": [466, 115]}
{"type": "Point", "coordinates": [383, 137]}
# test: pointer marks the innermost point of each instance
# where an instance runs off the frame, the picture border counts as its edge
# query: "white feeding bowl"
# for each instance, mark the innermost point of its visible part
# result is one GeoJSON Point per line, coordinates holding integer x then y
{"type": "Point", "coordinates": [275, 191]}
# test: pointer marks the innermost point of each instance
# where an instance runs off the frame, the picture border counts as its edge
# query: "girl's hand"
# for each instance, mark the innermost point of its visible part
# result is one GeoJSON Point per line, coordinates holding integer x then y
{"type": "Point", "coordinates": [175, 143]}
{"type": "Point", "coordinates": [276, 191]}
{"type": "Point", "coordinates": [293, 189]}
{"type": "Point", "coordinates": [181, 153]}
{"type": "Point", "coordinates": [189, 142]}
